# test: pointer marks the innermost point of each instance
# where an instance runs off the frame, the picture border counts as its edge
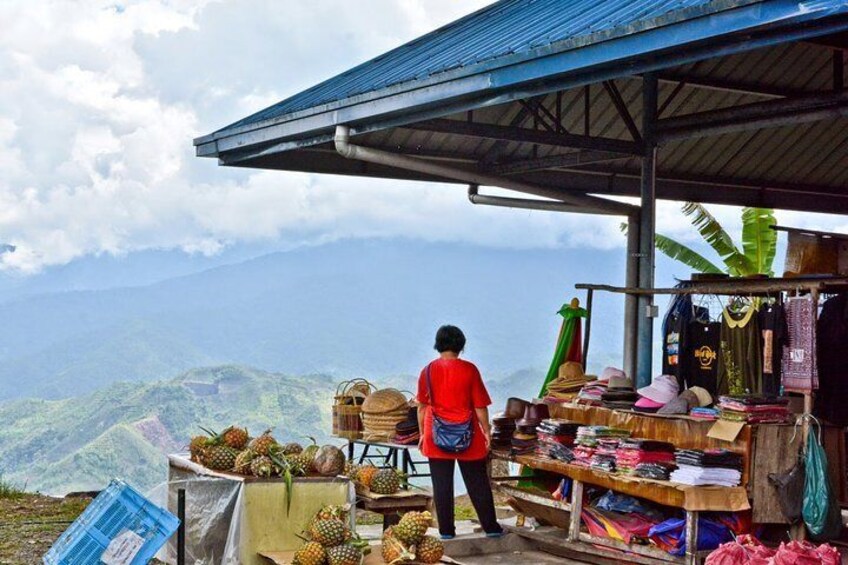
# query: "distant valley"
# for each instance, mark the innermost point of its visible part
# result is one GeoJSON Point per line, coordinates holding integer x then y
{"type": "Point", "coordinates": [125, 430]}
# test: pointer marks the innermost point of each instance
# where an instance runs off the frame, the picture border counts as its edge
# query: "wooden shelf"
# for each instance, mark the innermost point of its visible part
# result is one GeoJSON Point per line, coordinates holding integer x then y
{"type": "Point", "coordinates": [690, 498]}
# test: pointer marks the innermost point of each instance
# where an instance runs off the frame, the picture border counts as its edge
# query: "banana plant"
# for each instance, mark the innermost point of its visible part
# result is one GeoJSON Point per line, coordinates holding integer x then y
{"type": "Point", "coordinates": [756, 256]}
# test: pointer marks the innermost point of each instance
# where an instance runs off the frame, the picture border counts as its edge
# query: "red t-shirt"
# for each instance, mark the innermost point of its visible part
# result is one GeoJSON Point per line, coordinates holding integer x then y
{"type": "Point", "coordinates": [457, 390]}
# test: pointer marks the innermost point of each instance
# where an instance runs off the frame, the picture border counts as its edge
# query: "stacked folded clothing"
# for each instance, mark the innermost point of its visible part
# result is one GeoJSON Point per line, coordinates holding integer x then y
{"type": "Point", "coordinates": [553, 433]}
{"type": "Point", "coordinates": [657, 471]}
{"type": "Point", "coordinates": [589, 435]}
{"type": "Point", "coordinates": [633, 452]}
{"type": "Point", "coordinates": [523, 444]}
{"type": "Point", "coordinates": [582, 455]}
{"type": "Point", "coordinates": [710, 467]}
{"type": "Point", "coordinates": [560, 453]}
{"type": "Point", "coordinates": [704, 413]}
{"type": "Point", "coordinates": [604, 457]}
{"type": "Point", "coordinates": [754, 409]}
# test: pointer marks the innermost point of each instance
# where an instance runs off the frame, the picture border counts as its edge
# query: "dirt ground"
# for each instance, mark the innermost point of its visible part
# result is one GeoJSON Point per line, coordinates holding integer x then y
{"type": "Point", "coordinates": [30, 523]}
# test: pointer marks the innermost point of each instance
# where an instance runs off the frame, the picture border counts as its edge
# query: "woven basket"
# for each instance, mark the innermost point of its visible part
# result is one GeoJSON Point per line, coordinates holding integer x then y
{"type": "Point", "coordinates": [347, 407]}
{"type": "Point", "coordinates": [382, 411]}
{"type": "Point", "coordinates": [384, 401]}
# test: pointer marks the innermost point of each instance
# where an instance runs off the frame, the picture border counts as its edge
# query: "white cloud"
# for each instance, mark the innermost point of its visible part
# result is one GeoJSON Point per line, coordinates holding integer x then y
{"type": "Point", "coordinates": [99, 102]}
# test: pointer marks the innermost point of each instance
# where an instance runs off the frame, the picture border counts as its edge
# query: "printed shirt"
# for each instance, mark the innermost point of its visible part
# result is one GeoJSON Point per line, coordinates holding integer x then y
{"type": "Point", "coordinates": [457, 390]}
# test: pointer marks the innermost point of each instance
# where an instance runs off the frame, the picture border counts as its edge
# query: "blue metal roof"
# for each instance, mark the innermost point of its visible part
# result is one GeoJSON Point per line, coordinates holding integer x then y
{"type": "Point", "coordinates": [518, 48]}
{"type": "Point", "coordinates": [505, 28]}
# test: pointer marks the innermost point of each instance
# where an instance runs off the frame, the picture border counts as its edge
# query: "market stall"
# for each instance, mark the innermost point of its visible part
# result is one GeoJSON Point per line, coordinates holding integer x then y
{"type": "Point", "coordinates": [703, 446]}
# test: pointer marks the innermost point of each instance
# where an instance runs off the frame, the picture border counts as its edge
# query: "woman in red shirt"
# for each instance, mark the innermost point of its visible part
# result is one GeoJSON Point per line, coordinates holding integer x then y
{"type": "Point", "coordinates": [458, 393]}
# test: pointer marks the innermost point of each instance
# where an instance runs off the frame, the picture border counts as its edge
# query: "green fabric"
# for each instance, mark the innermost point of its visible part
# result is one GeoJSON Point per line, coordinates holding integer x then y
{"type": "Point", "coordinates": [571, 318]}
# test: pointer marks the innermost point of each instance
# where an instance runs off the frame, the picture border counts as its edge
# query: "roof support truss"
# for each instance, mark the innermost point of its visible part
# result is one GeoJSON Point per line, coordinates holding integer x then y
{"type": "Point", "coordinates": [760, 115]}
{"type": "Point", "coordinates": [623, 112]}
{"type": "Point", "coordinates": [567, 160]}
{"type": "Point", "coordinates": [525, 135]}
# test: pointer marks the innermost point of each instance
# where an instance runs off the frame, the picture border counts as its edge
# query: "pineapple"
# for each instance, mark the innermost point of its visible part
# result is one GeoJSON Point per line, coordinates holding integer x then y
{"type": "Point", "coordinates": [430, 550]}
{"type": "Point", "coordinates": [220, 457]}
{"type": "Point", "coordinates": [412, 527]}
{"type": "Point", "coordinates": [385, 481]}
{"type": "Point", "coordinates": [262, 445]}
{"type": "Point", "coordinates": [351, 469]}
{"type": "Point", "coordinates": [197, 446]}
{"type": "Point", "coordinates": [243, 461]}
{"type": "Point", "coordinates": [340, 511]}
{"type": "Point", "coordinates": [292, 448]}
{"type": "Point", "coordinates": [365, 475]}
{"type": "Point", "coordinates": [393, 550]}
{"type": "Point", "coordinates": [328, 532]}
{"type": "Point", "coordinates": [303, 461]}
{"type": "Point", "coordinates": [262, 466]}
{"type": "Point", "coordinates": [344, 554]}
{"type": "Point", "coordinates": [235, 437]}
{"type": "Point", "coordinates": [310, 553]}
{"type": "Point", "coordinates": [296, 465]}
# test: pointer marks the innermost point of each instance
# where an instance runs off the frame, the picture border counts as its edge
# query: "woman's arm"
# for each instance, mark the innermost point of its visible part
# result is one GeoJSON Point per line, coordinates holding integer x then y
{"type": "Point", "coordinates": [483, 418]}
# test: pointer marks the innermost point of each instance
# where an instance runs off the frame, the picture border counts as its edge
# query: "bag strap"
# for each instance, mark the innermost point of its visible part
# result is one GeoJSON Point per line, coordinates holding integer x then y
{"type": "Point", "coordinates": [430, 386]}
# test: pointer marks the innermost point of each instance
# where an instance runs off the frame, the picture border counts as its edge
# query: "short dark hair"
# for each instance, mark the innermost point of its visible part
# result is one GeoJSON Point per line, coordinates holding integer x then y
{"type": "Point", "coordinates": [449, 338]}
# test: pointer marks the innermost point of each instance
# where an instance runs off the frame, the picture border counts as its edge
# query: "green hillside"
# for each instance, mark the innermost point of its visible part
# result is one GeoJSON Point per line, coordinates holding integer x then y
{"type": "Point", "coordinates": [125, 430]}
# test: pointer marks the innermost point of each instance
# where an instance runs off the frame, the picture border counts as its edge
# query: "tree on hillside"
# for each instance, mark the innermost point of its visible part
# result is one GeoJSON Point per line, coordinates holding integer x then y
{"type": "Point", "coordinates": [759, 243]}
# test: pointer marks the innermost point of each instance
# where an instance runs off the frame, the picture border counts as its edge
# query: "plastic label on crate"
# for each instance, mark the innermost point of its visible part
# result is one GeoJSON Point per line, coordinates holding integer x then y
{"type": "Point", "coordinates": [123, 549]}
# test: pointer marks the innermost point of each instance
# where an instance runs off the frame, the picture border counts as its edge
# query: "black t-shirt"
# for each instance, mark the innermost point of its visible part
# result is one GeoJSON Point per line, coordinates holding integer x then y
{"type": "Point", "coordinates": [700, 355]}
{"type": "Point", "coordinates": [773, 328]}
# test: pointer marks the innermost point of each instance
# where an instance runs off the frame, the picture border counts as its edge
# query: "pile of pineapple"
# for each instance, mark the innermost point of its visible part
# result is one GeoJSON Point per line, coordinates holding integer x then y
{"type": "Point", "coordinates": [377, 480]}
{"type": "Point", "coordinates": [329, 541]}
{"type": "Point", "coordinates": [235, 451]}
{"type": "Point", "coordinates": [407, 541]}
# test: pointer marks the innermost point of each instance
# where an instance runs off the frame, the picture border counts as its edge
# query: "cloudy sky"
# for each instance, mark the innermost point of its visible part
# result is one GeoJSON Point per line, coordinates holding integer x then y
{"type": "Point", "coordinates": [99, 103]}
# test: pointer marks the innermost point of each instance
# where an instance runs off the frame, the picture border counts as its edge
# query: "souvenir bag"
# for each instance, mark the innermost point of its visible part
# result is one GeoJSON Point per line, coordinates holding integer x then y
{"type": "Point", "coordinates": [821, 511]}
{"type": "Point", "coordinates": [449, 436]}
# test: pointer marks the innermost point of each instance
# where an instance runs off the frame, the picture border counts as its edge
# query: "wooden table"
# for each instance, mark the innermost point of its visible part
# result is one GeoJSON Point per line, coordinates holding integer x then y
{"type": "Point", "coordinates": [396, 455]}
{"type": "Point", "coordinates": [391, 506]}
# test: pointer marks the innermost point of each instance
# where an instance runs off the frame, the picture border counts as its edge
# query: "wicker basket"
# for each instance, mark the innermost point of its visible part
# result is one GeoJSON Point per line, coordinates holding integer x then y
{"type": "Point", "coordinates": [347, 407]}
{"type": "Point", "coordinates": [382, 411]}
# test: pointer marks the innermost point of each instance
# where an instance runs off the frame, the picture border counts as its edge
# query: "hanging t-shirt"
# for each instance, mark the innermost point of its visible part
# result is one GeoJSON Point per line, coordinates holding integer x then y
{"type": "Point", "coordinates": [700, 355]}
{"type": "Point", "coordinates": [741, 351]}
{"type": "Point", "coordinates": [831, 339]}
{"type": "Point", "coordinates": [800, 364]}
{"type": "Point", "coordinates": [675, 325]}
{"type": "Point", "coordinates": [773, 327]}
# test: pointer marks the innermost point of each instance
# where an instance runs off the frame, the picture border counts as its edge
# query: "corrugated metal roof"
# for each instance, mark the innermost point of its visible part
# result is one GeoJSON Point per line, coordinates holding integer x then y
{"type": "Point", "coordinates": [505, 28]}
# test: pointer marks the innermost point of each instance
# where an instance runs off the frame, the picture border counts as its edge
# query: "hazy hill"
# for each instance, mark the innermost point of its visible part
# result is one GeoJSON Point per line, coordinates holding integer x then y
{"type": "Point", "coordinates": [365, 308]}
{"type": "Point", "coordinates": [126, 429]}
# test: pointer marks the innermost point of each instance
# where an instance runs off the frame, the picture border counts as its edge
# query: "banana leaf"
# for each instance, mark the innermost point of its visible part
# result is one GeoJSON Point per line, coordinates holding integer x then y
{"type": "Point", "coordinates": [685, 255]}
{"type": "Point", "coordinates": [709, 228]}
{"type": "Point", "coordinates": [759, 241]}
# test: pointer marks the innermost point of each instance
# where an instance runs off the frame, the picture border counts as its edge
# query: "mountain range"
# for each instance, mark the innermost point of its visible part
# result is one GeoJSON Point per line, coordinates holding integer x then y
{"type": "Point", "coordinates": [126, 429]}
{"type": "Point", "coordinates": [357, 308]}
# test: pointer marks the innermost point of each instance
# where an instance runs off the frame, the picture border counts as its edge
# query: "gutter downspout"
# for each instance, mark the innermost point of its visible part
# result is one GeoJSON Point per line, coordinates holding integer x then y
{"type": "Point", "coordinates": [524, 203]}
{"type": "Point", "coordinates": [578, 202]}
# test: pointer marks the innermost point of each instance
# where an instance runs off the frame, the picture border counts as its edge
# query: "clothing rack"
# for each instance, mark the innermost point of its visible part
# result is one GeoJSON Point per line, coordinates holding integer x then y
{"type": "Point", "coordinates": [815, 286]}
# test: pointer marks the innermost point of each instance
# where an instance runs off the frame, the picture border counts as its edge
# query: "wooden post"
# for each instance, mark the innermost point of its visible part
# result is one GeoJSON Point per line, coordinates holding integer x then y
{"type": "Point", "coordinates": [691, 538]}
{"type": "Point", "coordinates": [576, 509]}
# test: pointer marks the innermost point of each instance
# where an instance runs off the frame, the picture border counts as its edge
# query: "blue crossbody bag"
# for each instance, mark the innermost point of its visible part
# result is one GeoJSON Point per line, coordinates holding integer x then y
{"type": "Point", "coordinates": [449, 436]}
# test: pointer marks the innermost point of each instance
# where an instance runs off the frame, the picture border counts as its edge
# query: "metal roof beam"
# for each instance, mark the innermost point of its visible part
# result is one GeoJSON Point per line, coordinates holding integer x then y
{"type": "Point", "coordinates": [735, 87]}
{"type": "Point", "coordinates": [524, 135]}
{"type": "Point", "coordinates": [567, 160]}
{"type": "Point", "coordinates": [760, 115]}
{"type": "Point", "coordinates": [623, 112]}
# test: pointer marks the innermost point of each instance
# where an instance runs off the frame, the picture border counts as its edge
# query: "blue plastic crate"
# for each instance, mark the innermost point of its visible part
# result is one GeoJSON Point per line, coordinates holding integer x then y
{"type": "Point", "coordinates": [119, 507]}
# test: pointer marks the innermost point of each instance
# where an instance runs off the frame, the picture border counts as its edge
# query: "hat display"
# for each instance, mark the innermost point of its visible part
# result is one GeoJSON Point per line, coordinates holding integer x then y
{"type": "Point", "coordinates": [663, 390]}
{"type": "Point", "coordinates": [515, 408]}
{"type": "Point", "coordinates": [680, 405]}
{"type": "Point", "coordinates": [649, 404]}
{"type": "Point", "coordinates": [533, 415]}
{"type": "Point", "coordinates": [619, 382]}
{"type": "Point", "coordinates": [610, 372]}
{"type": "Point", "coordinates": [703, 395]}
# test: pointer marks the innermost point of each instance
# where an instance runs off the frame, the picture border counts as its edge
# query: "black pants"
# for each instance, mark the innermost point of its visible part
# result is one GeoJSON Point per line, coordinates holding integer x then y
{"type": "Point", "coordinates": [476, 481]}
